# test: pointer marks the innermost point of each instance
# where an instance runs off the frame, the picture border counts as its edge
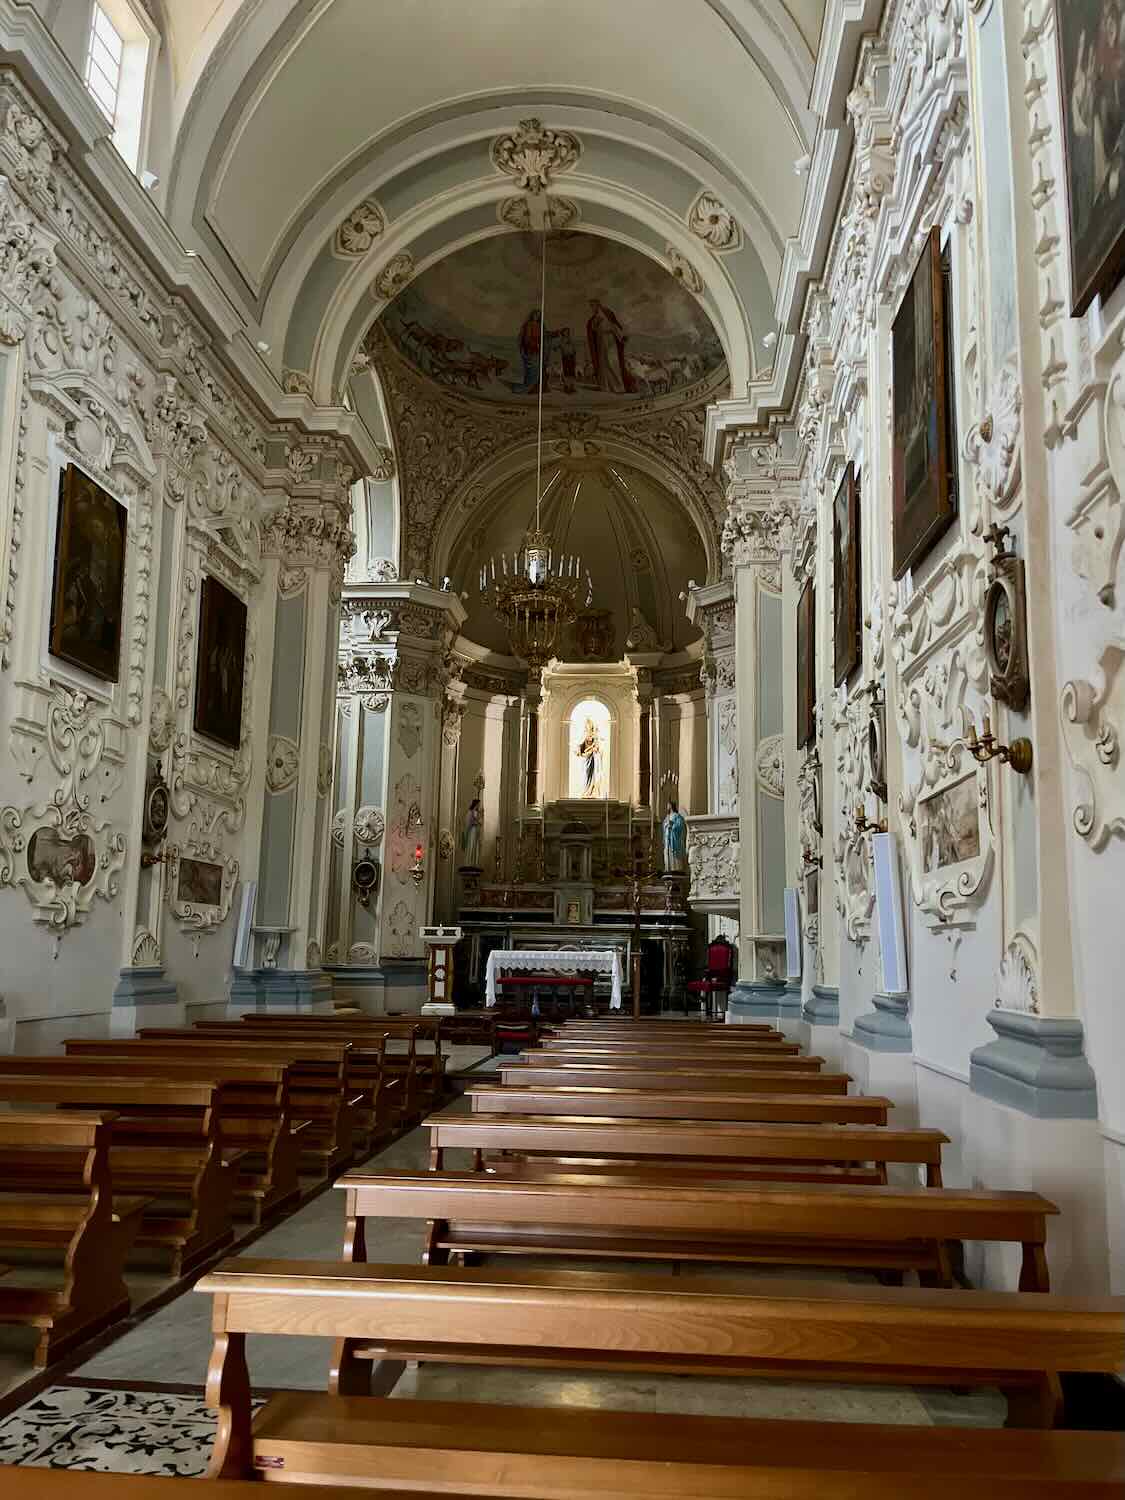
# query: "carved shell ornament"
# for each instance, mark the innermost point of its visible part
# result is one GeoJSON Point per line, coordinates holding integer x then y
{"type": "Point", "coordinates": [534, 153]}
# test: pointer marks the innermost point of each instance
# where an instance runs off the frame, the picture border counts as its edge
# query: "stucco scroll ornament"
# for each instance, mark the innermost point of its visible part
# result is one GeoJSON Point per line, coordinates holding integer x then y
{"type": "Point", "coordinates": [712, 222]}
{"type": "Point", "coordinates": [360, 229]}
{"type": "Point", "coordinates": [771, 765]}
{"type": "Point", "coordinates": [27, 261]}
{"type": "Point", "coordinates": [534, 154]}
{"type": "Point", "coordinates": [561, 213]}
{"type": "Point", "coordinates": [396, 274]}
{"type": "Point", "coordinates": [992, 446]}
{"type": "Point", "coordinates": [1093, 713]}
{"type": "Point", "coordinates": [369, 827]}
{"type": "Point", "coordinates": [1097, 518]}
{"type": "Point", "coordinates": [283, 762]}
{"type": "Point", "coordinates": [57, 851]}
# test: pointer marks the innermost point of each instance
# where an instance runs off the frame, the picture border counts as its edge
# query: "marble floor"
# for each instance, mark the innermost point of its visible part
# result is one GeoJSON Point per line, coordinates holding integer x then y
{"type": "Point", "coordinates": [136, 1404]}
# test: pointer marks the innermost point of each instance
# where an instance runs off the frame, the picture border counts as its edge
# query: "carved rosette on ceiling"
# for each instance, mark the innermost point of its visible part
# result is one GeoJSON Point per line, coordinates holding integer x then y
{"type": "Point", "coordinates": [359, 230]}
{"type": "Point", "coordinates": [396, 274]}
{"type": "Point", "coordinates": [710, 220]}
{"type": "Point", "coordinates": [535, 154]}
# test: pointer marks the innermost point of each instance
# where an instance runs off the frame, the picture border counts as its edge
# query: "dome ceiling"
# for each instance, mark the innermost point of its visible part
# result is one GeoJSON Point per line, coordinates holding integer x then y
{"type": "Point", "coordinates": [633, 537]}
{"type": "Point", "coordinates": [619, 327]}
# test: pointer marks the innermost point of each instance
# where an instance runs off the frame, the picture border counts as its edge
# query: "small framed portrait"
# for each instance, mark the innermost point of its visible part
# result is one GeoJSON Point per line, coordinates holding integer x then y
{"type": "Point", "coordinates": [806, 666]}
{"type": "Point", "coordinates": [847, 614]}
{"type": "Point", "coordinates": [923, 447]}
{"type": "Point", "coordinates": [220, 664]}
{"type": "Point", "coordinates": [1005, 632]}
{"type": "Point", "coordinates": [1090, 41]}
{"type": "Point", "coordinates": [88, 588]}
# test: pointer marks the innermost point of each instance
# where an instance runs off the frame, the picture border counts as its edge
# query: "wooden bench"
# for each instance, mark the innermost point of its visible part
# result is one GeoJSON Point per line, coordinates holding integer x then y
{"type": "Point", "coordinates": [874, 1228]}
{"type": "Point", "coordinates": [788, 1153]}
{"type": "Point", "coordinates": [320, 1087]}
{"type": "Point", "coordinates": [700, 1077]}
{"type": "Point", "coordinates": [504, 1452]}
{"type": "Point", "coordinates": [79, 1217]}
{"type": "Point", "coordinates": [468, 1028]}
{"type": "Point", "coordinates": [679, 1104]}
{"type": "Point", "coordinates": [166, 1143]}
{"type": "Point", "coordinates": [257, 1116]}
{"type": "Point", "coordinates": [649, 1323]}
{"type": "Point", "coordinates": [653, 1061]}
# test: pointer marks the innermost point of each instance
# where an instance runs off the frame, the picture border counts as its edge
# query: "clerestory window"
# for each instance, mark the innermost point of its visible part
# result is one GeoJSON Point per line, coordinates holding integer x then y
{"type": "Point", "coordinates": [118, 57]}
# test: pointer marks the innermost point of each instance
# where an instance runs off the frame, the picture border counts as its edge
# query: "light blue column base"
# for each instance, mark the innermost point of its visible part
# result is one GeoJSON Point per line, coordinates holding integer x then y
{"type": "Point", "coordinates": [1036, 1065]}
{"type": "Point", "coordinates": [887, 1027]}
{"type": "Point", "coordinates": [823, 1007]}
{"type": "Point", "coordinates": [754, 998]}
{"type": "Point", "coordinates": [145, 987]}
{"type": "Point", "coordinates": [281, 989]}
{"type": "Point", "coordinates": [789, 1001]}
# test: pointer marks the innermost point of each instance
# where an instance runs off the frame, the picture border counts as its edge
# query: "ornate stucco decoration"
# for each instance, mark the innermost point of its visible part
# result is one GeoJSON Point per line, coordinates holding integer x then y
{"type": "Point", "coordinates": [851, 851]}
{"type": "Point", "coordinates": [770, 765]}
{"type": "Point", "coordinates": [402, 925]}
{"type": "Point", "coordinates": [397, 273]}
{"type": "Point", "coordinates": [324, 769]}
{"type": "Point", "coordinates": [27, 261]}
{"type": "Point", "coordinates": [58, 851]}
{"type": "Point", "coordinates": [809, 824]}
{"type": "Point", "coordinates": [1093, 713]}
{"type": "Point", "coordinates": [195, 916]}
{"type": "Point", "coordinates": [283, 762]}
{"type": "Point", "coordinates": [535, 154]}
{"type": "Point", "coordinates": [340, 827]}
{"type": "Point", "coordinates": [1018, 980]}
{"type": "Point", "coordinates": [359, 230]}
{"type": "Point", "coordinates": [683, 270]}
{"type": "Point", "coordinates": [562, 213]}
{"type": "Point", "coordinates": [714, 863]}
{"type": "Point", "coordinates": [712, 222]}
{"type": "Point", "coordinates": [369, 826]}
{"type": "Point", "coordinates": [992, 446]}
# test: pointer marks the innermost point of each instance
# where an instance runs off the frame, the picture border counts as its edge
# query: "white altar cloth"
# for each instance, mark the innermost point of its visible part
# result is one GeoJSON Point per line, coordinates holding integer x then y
{"type": "Point", "coordinates": [546, 960]}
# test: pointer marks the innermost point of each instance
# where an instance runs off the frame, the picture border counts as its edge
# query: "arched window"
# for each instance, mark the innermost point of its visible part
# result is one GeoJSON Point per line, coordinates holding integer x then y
{"type": "Point", "coordinates": [590, 743]}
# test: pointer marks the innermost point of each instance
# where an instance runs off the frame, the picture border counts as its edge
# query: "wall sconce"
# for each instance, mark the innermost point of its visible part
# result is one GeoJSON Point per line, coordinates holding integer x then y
{"type": "Point", "coordinates": [149, 859]}
{"type": "Point", "coordinates": [863, 826]}
{"type": "Point", "coordinates": [417, 869]}
{"type": "Point", "coordinates": [987, 747]}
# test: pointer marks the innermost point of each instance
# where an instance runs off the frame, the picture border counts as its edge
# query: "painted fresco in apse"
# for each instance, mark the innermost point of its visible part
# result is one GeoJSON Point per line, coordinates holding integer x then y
{"type": "Point", "coordinates": [618, 326]}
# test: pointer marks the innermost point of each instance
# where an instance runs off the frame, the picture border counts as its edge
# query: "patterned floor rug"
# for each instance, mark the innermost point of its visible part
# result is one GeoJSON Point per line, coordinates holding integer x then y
{"type": "Point", "coordinates": [115, 1431]}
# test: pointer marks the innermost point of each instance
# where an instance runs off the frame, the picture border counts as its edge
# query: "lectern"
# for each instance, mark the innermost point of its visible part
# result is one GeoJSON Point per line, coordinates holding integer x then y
{"type": "Point", "coordinates": [440, 942]}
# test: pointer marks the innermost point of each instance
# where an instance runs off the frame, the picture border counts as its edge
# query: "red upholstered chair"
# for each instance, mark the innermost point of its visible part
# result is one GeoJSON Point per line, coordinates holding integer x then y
{"type": "Point", "coordinates": [717, 977]}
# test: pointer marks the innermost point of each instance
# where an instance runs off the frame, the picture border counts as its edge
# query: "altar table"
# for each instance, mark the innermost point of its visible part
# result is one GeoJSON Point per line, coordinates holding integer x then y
{"type": "Point", "coordinates": [543, 961]}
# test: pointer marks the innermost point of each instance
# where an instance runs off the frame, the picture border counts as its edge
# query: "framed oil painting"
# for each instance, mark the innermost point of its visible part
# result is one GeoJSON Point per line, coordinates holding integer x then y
{"type": "Point", "coordinates": [806, 666]}
{"type": "Point", "coordinates": [220, 663]}
{"type": "Point", "coordinates": [200, 882]}
{"type": "Point", "coordinates": [923, 450]}
{"type": "Point", "coordinates": [847, 615]}
{"type": "Point", "coordinates": [1091, 54]}
{"type": "Point", "coordinates": [88, 589]}
{"type": "Point", "coordinates": [948, 822]}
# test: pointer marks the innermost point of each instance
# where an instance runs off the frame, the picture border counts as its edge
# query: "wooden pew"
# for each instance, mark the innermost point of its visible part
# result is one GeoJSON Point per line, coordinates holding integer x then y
{"type": "Point", "coordinates": [684, 1059]}
{"type": "Point", "coordinates": [701, 1077]}
{"type": "Point", "coordinates": [81, 1218]}
{"type": "Point", "coordinates": [633, 1030]}
{"type": "Point", "coordinates": [789, 1153]}
{"type": "Point", "coordinates": [321, 1090]}
{"type": "Point", "coordinates": [33, 1483]}
{"type": "Point", "coordinates": [677, 1041]}
{"type": "Point", "coordinates": [679, 1104]}
{"type": "Point", "coordinates": [166, 1144]}
{"type": "Point", "coordinates": [570, 1213]}
{"type": "Point", "coordinates": [468, 1028]}
{"type": "Point", "coordinates": [774, 1329]}
{"type": "Point", "coordinates": [257, 1117]}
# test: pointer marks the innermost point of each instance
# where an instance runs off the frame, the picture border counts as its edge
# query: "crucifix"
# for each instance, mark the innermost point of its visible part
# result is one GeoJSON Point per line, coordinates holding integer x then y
{"type": "Point", "coordinates": [995, 536]}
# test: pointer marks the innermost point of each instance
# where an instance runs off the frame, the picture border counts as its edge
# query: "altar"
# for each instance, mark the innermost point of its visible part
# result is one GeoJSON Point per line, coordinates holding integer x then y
{"type": "Point", "coordinates": [555, 960]}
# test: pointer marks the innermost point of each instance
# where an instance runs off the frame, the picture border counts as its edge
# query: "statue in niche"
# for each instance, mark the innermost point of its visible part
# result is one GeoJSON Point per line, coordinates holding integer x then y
{"type": "Point", "coordinates": [590, 750]}
{"type": "Point", "coordinates": [675, 838]}
{"type": "Point", "coordinates": [471, 835]}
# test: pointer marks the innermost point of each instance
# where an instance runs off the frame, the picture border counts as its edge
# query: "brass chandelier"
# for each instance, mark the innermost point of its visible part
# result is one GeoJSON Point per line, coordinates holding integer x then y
{"type": "Point", "coordinates": [539, 593]}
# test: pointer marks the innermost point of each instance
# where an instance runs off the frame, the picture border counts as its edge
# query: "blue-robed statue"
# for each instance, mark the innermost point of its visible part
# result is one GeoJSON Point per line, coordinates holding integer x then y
{"type": "Point", "coordinates": [675, 838]}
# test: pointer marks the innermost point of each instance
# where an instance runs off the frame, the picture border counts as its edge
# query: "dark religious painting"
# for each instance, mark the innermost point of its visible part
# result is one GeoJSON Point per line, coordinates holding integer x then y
{"type": "Point", "coordinates": [846, 576]}
{"type": "Point", "coordinates": [220, 664]}
{"type": "Point", "coordinates": [923, 466]}
{"type": "Point", "coordinates": [200, 883]}
{"type": "Point", "coordinates": [1091, 51]}
{"type": "Point", "coordinates": [63, 859]}
{"type": "Point", "coordinates": [89, 584]}
{"type": "Point", "coordinates": [806, 666]}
